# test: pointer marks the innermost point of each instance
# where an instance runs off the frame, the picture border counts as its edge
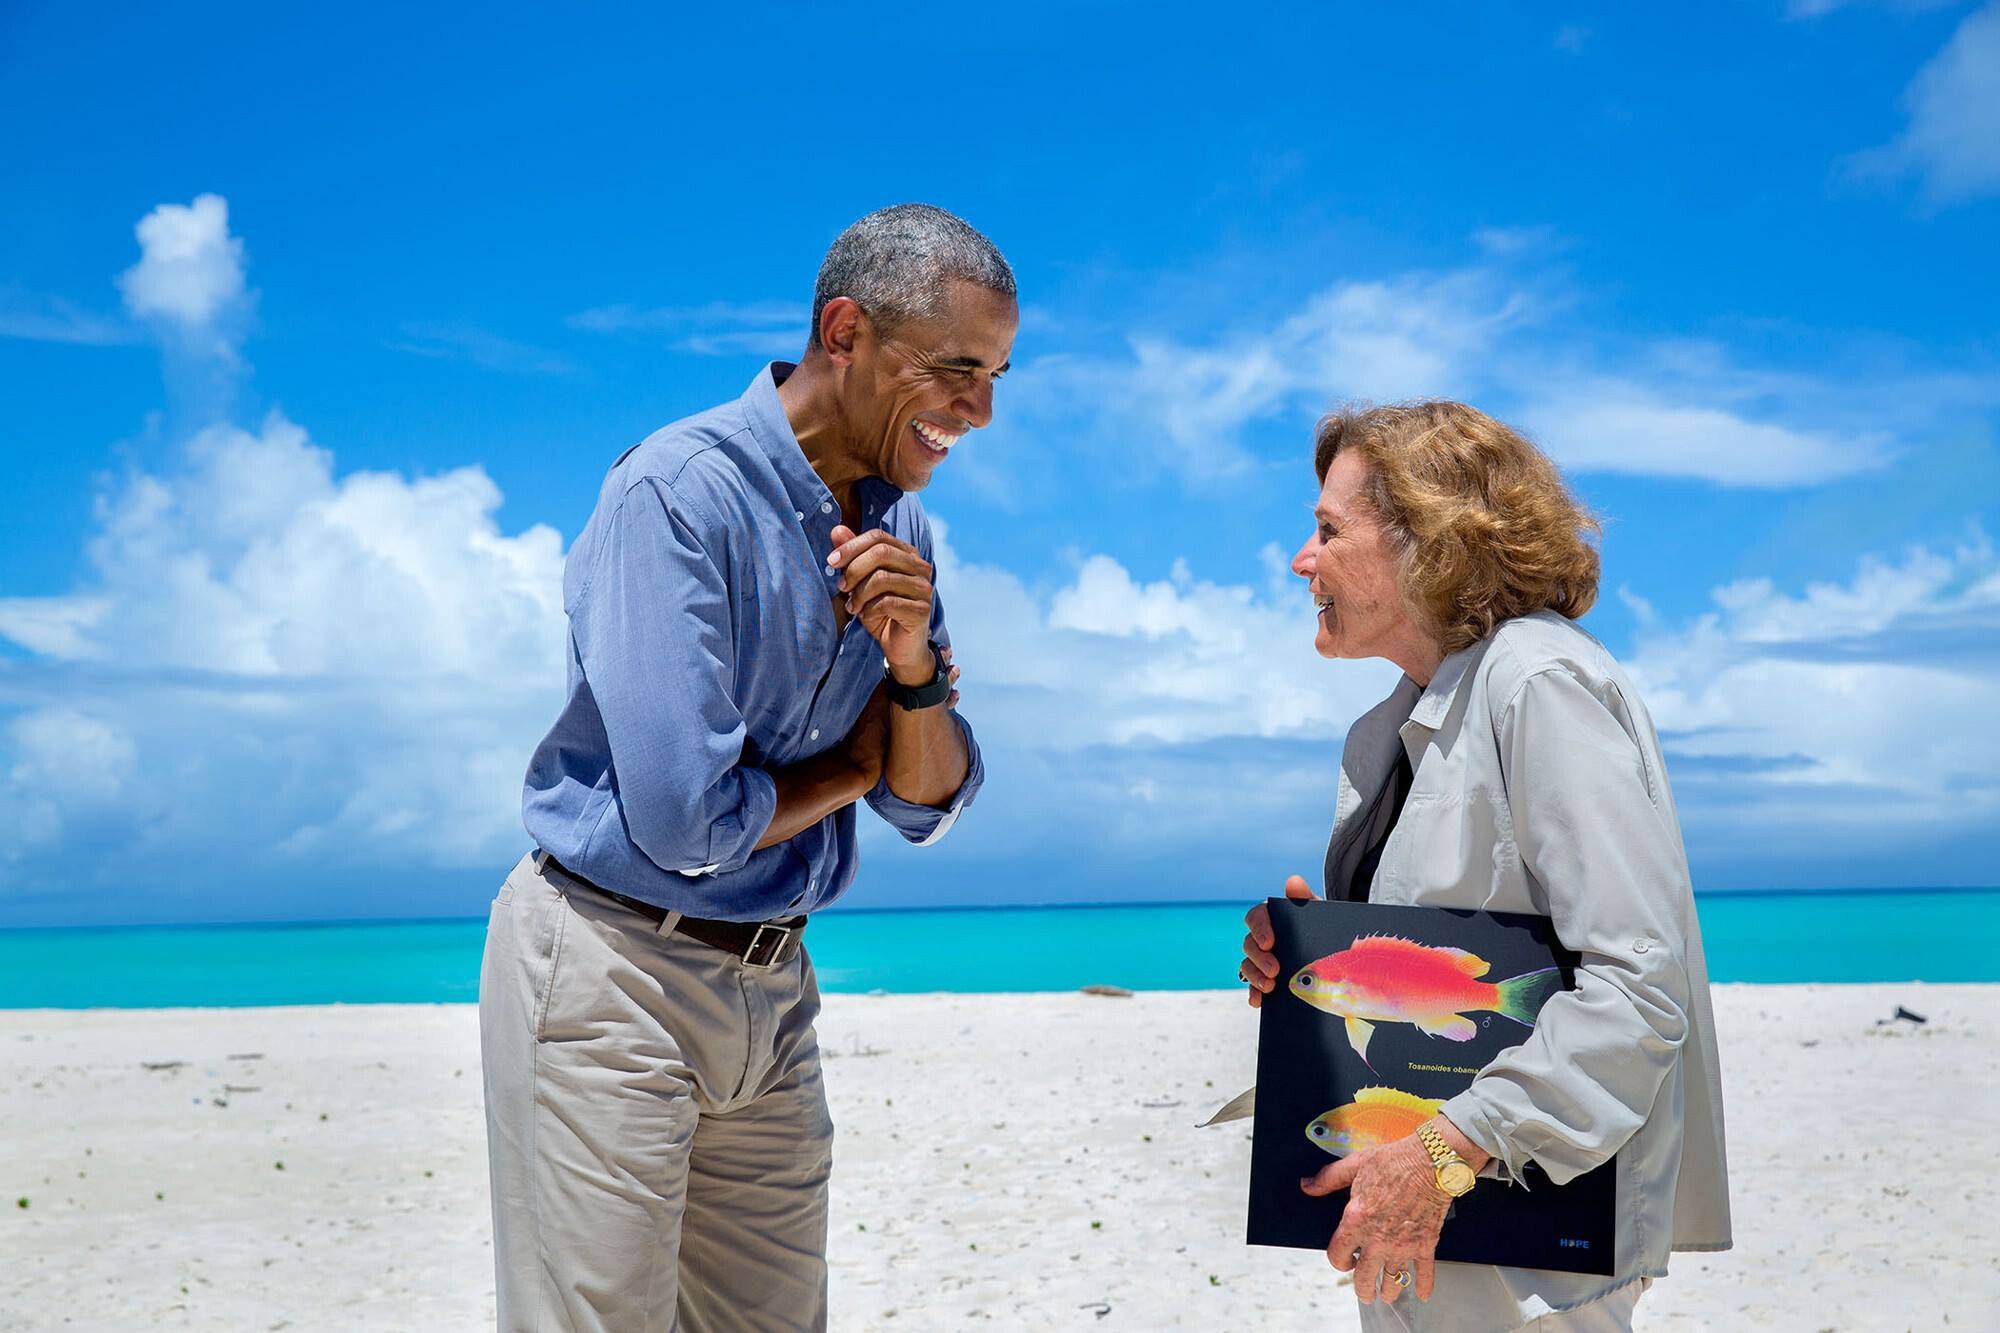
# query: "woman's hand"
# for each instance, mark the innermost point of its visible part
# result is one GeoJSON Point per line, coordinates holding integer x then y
{"type": "Point", "coordinates": [1259, 968]}
{"type": "Point", "coordinates": [1394, 1213]}
{"type": "Point", "coordinates": [1391, 1221]}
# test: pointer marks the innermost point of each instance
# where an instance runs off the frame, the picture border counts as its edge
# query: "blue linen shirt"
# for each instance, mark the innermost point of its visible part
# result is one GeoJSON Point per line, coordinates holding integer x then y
{"type": "Point", "coordinates": [703, 654]}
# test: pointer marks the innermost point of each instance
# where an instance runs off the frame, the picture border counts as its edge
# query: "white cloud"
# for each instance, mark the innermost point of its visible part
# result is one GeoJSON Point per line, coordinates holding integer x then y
{"type": "Point", "coordinates": [299, 656]}
{"type": "Point", "coordinates": [56, 320]}
{"type": "Point", "coordinates": [1847, 719]}
{"type": "Point", "coordinates": [1108, 659]}
{"type": "Point", "coordinates": [1882, 595]}
{"type": "Point", "coordinates": [1478, 334]}
{"type": "Point", "coordinates": [719, 328]}
{"type": "Point", "coordinates": [256, 560]}
{"type": "Point", "coordinates": [759, 343]}
{"type": "Point", "coordinates": [189, 278]}
{"type": "Point", "coordinates": [1812, 9]}
{"type": "Point", "coordinates": [1511, 242]}
{"type": "Point", "coordinates": [482, 347]}
{"type": "Point", "coordinates": [1189, 404]}
{"type": "Point", "coordinates": [1953, 138]}
{"type": "Point", "coordinates": [56, 627]}
{"type": "Point", "coordinates": [69, 755]}
{"type": "Point", "coordinates": [1609, 425]}
{"type": "Point", "coordinates": [61, 761]}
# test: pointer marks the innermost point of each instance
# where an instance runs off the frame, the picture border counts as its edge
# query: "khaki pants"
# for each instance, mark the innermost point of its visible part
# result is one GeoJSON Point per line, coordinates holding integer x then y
{"type": "Point", "coordinates": [657, 1132]}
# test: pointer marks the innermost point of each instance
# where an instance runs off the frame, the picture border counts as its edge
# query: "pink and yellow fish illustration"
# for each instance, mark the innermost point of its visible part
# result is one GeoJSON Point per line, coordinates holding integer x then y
{"type": "Point", "coordinates": [1376, 1116]}
{"type": "Point", "coordinates": [1386, 979]}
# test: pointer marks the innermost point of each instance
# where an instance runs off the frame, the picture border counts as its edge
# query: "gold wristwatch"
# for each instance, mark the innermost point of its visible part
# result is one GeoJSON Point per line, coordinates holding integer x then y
{"type": "Point", "coordinates": [1454, 1174]}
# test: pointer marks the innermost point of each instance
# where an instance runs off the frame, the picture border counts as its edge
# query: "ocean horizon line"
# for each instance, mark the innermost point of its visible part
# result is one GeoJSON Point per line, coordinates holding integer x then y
{"type": "Point", "coordinates": [327, 923]}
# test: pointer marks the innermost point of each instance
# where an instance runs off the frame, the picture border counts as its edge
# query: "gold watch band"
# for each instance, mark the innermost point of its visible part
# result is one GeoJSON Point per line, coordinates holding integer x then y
{"type": "Point", "coordinates": [1455, 1175]}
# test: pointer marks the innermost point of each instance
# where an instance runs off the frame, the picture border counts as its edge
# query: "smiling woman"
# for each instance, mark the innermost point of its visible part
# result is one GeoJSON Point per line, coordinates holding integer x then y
{"type": "Point", "coordinates": [1514, 769]}
{"type": "Point", "coordinates": [1478, 520]}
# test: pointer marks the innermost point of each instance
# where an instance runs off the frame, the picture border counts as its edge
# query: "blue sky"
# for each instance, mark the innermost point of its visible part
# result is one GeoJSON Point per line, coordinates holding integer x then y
{"type": "Point", "coordinates": [293, 466]}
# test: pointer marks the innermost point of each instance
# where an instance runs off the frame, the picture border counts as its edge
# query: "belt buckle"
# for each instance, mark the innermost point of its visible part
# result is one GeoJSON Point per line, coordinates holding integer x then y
{"type": "Point", "coordinates": [755, 955]}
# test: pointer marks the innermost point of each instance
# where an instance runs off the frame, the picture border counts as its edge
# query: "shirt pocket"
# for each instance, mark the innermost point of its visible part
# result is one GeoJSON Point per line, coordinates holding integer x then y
{"type": "Point", "coordinates": [1455, 849]}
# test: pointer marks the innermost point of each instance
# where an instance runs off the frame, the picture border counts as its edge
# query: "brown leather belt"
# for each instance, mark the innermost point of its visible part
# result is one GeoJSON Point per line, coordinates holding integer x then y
{"type": "Point", "coordinates": [759, 944]}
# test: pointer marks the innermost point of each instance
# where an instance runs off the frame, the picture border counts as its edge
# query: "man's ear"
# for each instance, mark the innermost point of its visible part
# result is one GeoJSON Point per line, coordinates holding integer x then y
{"type": "Point", "coordinates": [839, 326]}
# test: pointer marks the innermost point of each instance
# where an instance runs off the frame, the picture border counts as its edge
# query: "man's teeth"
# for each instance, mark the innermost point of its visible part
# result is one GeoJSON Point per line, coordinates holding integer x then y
{"type": "Point", "coordinates": [1322, 602]}
{"type": "Point", "coordinates": [934, 437]}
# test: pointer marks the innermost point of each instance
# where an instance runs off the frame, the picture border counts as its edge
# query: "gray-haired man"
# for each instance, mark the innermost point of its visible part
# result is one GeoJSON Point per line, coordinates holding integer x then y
{"type": "Point", "coordinates": [755, 645]}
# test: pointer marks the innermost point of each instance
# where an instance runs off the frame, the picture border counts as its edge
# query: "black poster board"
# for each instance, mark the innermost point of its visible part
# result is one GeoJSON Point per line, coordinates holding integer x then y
{"type": "Point", "coordinates": [1317, 1097]}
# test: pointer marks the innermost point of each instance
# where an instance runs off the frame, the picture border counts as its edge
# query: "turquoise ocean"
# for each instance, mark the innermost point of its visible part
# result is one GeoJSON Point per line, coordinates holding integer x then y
{"type": "Point", "coordinates": [1778, 936]}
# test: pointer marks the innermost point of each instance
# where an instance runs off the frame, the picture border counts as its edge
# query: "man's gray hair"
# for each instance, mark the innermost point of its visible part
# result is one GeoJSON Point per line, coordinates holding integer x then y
{"type": "Point", "coordinates": [898, 262]}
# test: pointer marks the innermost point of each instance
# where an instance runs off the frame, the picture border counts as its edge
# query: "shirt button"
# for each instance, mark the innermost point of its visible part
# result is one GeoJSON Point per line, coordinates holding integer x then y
{"type": "Point", "coordinates": [1641, 945]}
{"type": "Point", "coordinates": [825, 506]}
{"type": "Point", "coordinates": [815, 734]}
{"type": "Point", "coordinates": [799, 514]}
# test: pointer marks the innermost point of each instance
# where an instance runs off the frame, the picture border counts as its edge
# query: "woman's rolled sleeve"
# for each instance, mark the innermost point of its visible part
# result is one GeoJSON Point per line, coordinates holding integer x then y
{"type": "Point", "coordinates": [1615, 882]}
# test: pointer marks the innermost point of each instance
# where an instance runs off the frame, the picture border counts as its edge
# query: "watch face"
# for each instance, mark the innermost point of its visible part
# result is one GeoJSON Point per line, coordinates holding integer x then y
{"type": "Point", "coordinates": [1456, 1178]}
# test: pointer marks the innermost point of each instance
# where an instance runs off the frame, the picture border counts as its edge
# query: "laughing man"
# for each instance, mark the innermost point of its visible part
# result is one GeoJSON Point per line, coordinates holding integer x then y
{"type": "Point", "coordinates": [755, 644]}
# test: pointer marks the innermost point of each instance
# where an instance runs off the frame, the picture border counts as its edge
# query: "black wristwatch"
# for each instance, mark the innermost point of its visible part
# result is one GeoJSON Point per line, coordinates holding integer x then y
{"type": "Point", "coordinates": [921, 696]}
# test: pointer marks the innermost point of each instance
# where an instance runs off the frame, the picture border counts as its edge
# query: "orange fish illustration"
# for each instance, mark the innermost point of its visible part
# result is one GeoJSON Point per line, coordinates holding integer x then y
{"type": "Point", "coordinates": [1387, 979]}
{"type": "Point", "coordinates": [1376, 1116]}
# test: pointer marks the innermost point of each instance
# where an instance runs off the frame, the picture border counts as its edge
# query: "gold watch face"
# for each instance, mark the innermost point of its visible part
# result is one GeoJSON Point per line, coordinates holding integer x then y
{"type": "Point", "coordinates": [1455, 1178]}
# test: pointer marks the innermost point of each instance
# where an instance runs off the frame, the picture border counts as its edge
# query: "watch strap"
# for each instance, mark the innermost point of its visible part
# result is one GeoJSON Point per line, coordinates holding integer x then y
{"type": "Point", "coordinates": [1443, 1155]}
{"type": "Point", "coordinates": [912, 697]}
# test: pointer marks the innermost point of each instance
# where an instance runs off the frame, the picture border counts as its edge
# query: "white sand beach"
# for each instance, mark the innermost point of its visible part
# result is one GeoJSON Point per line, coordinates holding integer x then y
{"type": "Point", "coordinates": [1008, 1162]}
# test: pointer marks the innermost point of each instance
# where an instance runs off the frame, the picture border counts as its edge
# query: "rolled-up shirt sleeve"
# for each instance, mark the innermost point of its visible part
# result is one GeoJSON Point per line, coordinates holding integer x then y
{"type": "Point", "coordinates": [925, 824]}
{"type": "Point", "coordinates": [1610, 863]}
{"type": "Point", "coordinates": [653, 637]}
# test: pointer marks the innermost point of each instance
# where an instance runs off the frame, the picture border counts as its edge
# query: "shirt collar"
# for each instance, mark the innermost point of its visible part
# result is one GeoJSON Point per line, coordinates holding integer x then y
{"type": "Point", "coordinates": [772, 430]}
{"type": "Point", "coordinates": [1435, 705]}
{"type": "Point", "coordinates": [1387, 730]}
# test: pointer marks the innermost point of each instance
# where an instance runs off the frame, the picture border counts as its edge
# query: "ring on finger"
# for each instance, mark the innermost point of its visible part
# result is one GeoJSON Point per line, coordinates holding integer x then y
{"type": "Point", "coordinates": [1403, 1277]}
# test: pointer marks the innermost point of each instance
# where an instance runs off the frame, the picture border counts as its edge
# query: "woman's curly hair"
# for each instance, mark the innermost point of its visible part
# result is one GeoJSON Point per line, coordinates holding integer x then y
{"type": "Point", "coordinates": [1481, 524]}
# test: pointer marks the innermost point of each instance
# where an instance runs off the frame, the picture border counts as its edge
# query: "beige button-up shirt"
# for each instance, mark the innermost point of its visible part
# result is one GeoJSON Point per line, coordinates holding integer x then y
{"type": "Point", "coordinates": [1539, 787]}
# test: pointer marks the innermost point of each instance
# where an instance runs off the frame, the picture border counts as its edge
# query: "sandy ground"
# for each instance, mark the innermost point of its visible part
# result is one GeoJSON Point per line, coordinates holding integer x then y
{"type": "Point", "coordinates": [1008, 1162]}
